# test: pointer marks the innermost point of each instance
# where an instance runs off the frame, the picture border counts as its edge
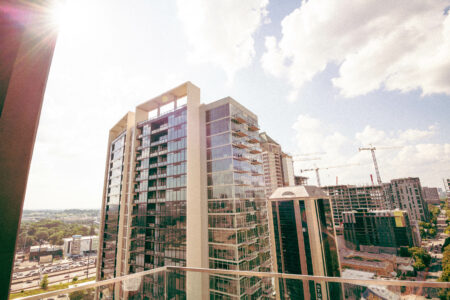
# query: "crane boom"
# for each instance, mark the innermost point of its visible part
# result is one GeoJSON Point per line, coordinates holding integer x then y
{"type": "Point", "coordinates": [372, 150]}
{"type": "Point", "coordinates": [325, 168]}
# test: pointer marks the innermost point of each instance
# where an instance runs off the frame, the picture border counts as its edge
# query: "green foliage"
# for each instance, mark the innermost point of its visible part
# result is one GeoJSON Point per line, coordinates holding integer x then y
{"type": "Point", "coordinates": [54, 287]}
{"type": "Point", "coordinates": [421, 258]}
{"type": "Point", "coordinates": [44, 282]}
{"type": "Point", "coordinates": [52, 231]}
{"type": "Point", "coordinates": [446, 243]}
{"type": "Point", "coordinates": [74, 279]}
{"type": "Point", "coordinates": [82, 295]}
{"type": "Point", "coordinates": [419, 265]}
{"type": "Point", "coordinates": [445, 265]}
{"type": "Point", "coordinates": [444, 294]}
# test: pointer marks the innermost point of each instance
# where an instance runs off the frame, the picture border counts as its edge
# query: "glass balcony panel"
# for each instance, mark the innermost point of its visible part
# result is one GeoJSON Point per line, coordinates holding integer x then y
{"type": "Point", "coordinates": [225, 282]}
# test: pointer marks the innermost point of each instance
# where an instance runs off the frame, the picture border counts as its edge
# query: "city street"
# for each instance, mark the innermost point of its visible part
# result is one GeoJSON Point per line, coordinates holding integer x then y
{"type": "Point", "coordinates": [58, 272]}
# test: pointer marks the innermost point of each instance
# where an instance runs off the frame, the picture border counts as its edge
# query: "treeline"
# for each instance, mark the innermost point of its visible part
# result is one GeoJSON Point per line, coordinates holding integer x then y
{"type": "Point", "coordinates": [429, 229]}
{"type": "Point", "coordinates": [49, 231]}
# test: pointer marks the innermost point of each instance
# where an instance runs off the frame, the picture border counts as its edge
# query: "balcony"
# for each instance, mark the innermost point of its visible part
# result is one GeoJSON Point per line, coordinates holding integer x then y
{"type": "Point", "coordinates": [166, 276]}
{"type": "Point", "coordinates": [255, 150]}
{"type": "Point", "coordinates": [253, 127]}
{"type": "Point", "coordinates": [238, 118]}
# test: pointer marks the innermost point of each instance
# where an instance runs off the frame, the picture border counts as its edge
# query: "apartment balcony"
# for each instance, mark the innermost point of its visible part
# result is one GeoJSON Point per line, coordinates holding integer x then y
{"type": "Point", "coordinates": [238, 118]}
{"type": "Point", "coordinates": [254, 140]}
{"type": "Point", "coordinates": [255, 162]}
{"type": "Point", "coordinates": [160, 141]}
{"type": "Point", "coordinates": [239, 133]}
{"type": "Point", "coordinates": [255, 150]}
{"type": "Point", "coordinates": [167, 278]}
{"type": "Point", "coordinates": [240, 144]}
{"type": "Point", "coordinates": [253, 127]}
{"type": "Point", "coordinates": [161, 128]}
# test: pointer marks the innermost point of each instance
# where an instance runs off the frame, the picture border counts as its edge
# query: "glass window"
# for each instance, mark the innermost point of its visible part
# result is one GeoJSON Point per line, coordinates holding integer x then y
{"type": "Point", "coordinates": [218, 140]}
{"type": "Point", "coordinates": [217, 113]}
{"type": "Point", "coordinates": [219, 165]}
{"type": "Point", "coordinates": [220, 192]}
{"type": "Point", "coordinates": [220, 178]}
{"type": "Point", "coordinates": [220, 152]}
{"type": "Point", "coordinates": [218, 126]}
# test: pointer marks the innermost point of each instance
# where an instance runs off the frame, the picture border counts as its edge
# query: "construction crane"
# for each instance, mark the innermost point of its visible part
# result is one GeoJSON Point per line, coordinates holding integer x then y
{"type": "Point", "coordinates": [372, 150]}
{"type": "Point", "coordinates": [307, 154]}
{"type": "Point", "coordinates": [316, 169]}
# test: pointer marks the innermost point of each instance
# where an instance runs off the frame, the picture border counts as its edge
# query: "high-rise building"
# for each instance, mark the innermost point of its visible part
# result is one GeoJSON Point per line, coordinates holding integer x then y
{"type": "Point", "coordinates": [407, 195]}
{"type": "Point", "coordinates": [303, 241]}
{"type": "Point", "coordinates": [184, 186]}
{"type": "Point", "coordinates": [431, 195]}
{"type": "Point", "coordinates": [278, 166]}
{"type": "Point", "coordinates": [380, 228]}
{"type": "Point", "coordinates": [287, 165]}
{"type": "Point", "coordinates": [350, 197]}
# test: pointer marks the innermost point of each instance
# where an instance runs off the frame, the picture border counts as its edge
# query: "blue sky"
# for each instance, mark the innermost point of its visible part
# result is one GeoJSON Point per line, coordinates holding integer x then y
{"type": "Point", "coordinates": [320, 76]}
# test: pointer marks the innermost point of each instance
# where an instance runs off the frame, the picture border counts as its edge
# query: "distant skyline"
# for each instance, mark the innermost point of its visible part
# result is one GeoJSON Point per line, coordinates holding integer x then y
{"type": "Point", "coordinates": [322, 76]}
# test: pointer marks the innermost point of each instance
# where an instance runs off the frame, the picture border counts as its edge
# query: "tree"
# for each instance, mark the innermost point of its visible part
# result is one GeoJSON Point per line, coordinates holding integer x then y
{"type": "Point", "coordinates": [446, 243]}
{"type": "Point", "coordinates": [422, 259]}
{"type": "Point", "coordinates": [419, 265]}
{"type": "Point", "coordinates": [74, 279]}
{"type": "Point", "coordinates": [42, 235]}
{"type": "Point", "coordinates": [82, 295]}
{"type": "Point", "coordinates": [44, 282]}
{"type": "Point", "coordinates": [432, 232]}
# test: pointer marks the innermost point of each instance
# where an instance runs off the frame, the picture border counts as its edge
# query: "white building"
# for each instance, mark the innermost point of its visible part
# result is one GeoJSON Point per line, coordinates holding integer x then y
{"type": "Point", "coordinates": [80, 245]}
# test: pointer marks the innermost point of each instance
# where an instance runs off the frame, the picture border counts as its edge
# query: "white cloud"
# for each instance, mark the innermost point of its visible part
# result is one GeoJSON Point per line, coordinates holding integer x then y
{"type": "Point", "coordinates": [400, 45]}
{"type": "Point", "coordinates": [414, 155]}
{"type": "Point", "coordinates": [221, 32]}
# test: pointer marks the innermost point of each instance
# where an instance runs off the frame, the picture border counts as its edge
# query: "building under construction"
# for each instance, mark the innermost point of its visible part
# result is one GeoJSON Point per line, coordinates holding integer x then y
{"type": "Point", "coordinates": [351, 197]}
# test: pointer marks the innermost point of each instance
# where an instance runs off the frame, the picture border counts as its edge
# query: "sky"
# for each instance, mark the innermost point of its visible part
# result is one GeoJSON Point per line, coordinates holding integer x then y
{"type": "Point", "coordinates": [323, 76]}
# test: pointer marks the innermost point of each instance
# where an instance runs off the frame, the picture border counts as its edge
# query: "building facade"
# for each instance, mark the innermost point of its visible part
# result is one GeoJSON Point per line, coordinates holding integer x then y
{"type": "Point", "coordinates": [287, 164]}
{"type": "Point", "coordinates": [300, 180]}
{"type": "Point", "coordinates": [79, 245]}
{"type": "Point", "coordinates": [406, 194]}
{"type": "Point", "coordinates": [380, 228]}
{"type": "Point", "coordinates": [303, 241]}
{"type": "Point", "coordinates": [431, 195]}
{"type": "Point", "coordinates": [278, 166]}
{"type": "Point", "coordinates": [184, 186]}
{"type": "Point", "coordinates": [350, 197]}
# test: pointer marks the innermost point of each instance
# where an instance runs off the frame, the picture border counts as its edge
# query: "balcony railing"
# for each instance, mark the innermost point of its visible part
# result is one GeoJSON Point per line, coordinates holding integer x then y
{"type": "Point", "coordinates": [353, 286]}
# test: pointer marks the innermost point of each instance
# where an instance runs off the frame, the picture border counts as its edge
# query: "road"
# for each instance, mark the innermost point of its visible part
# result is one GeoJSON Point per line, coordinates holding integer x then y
{"type": "Point", "coordinates": [53, 278]}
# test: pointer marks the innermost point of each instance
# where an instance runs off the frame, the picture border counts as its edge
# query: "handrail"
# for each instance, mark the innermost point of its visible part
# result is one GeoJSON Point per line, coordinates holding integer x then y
{"type": "Point", "coordinates": [434, 284]}
{"type": "Point", "coordinates": [365, 282]}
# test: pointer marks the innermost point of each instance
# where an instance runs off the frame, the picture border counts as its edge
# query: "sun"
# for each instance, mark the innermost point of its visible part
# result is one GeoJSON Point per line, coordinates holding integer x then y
{"type": "Point", "coordinates": [59, 13]}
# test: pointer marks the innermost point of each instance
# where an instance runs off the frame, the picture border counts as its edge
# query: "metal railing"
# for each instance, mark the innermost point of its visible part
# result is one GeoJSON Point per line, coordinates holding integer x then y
{"type": "Point", "coordinates": [272, 275]}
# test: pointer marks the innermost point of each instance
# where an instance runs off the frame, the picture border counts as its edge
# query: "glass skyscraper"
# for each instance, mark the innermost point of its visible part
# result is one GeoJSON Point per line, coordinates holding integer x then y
{"type": "Point", "coordinates": [304, 242]}
{"type": "Point", "coordinates": [184, 187]}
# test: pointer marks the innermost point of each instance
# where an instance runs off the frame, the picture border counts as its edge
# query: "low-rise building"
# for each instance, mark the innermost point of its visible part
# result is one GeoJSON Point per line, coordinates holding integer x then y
{"type": "Point", "coordinates": [36, 252]}
{"type": "Point", "coordinates": [79, 245]}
